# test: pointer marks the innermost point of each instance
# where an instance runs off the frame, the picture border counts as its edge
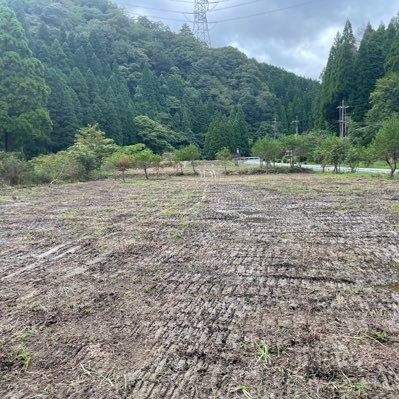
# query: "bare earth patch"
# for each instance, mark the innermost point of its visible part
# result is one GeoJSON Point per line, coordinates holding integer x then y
{"type": "Point", "coordinates": [253, 287]}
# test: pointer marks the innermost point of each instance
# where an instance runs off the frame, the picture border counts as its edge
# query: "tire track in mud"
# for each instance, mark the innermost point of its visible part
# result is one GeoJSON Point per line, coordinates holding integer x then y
{"type": "Point", "coordinates": [177, 311]}
{"type": "Point", "coordinates": [198, 339]}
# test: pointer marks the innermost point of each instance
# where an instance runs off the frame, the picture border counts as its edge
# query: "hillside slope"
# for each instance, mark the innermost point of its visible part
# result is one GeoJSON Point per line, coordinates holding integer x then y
{"type": "Point", "coordinates": [104, 67]}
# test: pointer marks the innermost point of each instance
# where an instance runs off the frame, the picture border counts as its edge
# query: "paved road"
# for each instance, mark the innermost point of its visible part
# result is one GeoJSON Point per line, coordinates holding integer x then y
{"type": "Point", "coordinates": [327, 168]}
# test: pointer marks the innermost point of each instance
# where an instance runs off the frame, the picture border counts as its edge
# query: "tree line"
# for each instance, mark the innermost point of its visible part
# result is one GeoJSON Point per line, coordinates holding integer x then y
{"type": "Point", "coordinates": [366, 76]}
{"type": "Point", "coordinates": [78, 62]}
{"type": "Point", "coordinates": [92, 152]}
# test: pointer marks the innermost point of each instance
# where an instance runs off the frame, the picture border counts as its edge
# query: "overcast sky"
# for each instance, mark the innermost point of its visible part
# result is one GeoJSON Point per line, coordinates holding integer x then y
{"type": "Point", "coordinates": [297, 39]}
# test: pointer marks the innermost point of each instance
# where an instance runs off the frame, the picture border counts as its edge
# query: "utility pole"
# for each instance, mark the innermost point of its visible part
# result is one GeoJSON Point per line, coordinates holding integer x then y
{"type": "Point", "coordinates": [200, 25]}
{"type": "Point", "coordinates": [296, 121]}
{"type": "Point", "coordinates": [275, 127]}
{"type": "Point", "coordinates": [343, 129]}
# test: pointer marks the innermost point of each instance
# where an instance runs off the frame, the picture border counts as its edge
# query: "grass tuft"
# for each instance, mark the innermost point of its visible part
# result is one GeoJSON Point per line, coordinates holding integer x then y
{"type": "Point", "coordinates": [263, 352]}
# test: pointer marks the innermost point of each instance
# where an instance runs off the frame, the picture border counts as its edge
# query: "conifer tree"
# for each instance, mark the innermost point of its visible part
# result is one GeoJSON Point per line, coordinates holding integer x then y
{"type": "Point", "coordinates": [24, 119]}
{"type": "Point", "coordinates": [92, 85]}
{"type": "Point", "coordinates": [149, 89]}
{"type": "Point", "coordinates": [62, 111]}
{"type": "Point", "coordinates": [369, 68]}
{"type": "Point", "coordinates": [78, 84]}
{"type": "Point", "coordinates": [109, 120]}
{"type": "Point", "coordinates": [219, 135]}
{"type": "Point", "coordinates": [200, 118]}
{"type": "Point", "coordinates": [339, 75]}
{"type": "Point", "coordinates": [240, 134]}
{"type": "Point", "coordinates": [392, 58]}
{"type": "Point", "coordinates": [123, 106]}
{"type": "Point", "coordinates": [58, 57]}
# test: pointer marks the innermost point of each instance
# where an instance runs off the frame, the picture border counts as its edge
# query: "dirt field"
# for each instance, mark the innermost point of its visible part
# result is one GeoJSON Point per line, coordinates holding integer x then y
{"type": "Point", "coordinates": [236, 287]}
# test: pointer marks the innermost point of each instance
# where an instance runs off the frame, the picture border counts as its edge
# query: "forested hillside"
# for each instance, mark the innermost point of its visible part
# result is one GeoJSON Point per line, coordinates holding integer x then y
{"type": "Point", "coordinates": [139, 81]}
{"type": "Point", "coordinates": [366, 76]}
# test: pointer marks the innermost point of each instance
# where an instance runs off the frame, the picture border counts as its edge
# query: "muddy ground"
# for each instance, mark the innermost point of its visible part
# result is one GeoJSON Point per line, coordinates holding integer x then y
{"type": "Point", "coordinates": [234, 287]}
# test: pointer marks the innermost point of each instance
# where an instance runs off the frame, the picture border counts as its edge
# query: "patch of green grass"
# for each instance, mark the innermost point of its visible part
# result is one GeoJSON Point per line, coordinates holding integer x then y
{"type": "Point", "coordinates": [97, 229]}
{"type": "Point", "coordinates": [26, 236]}
{"type": "Point", "coordinates": [168, 212]}
{"type": "Point", "coordinates": [263, 352]}
{"type": "Point", "coordinates": [394, 208]}
{"type": "Point", "coordinates": [178, 235]}
{"type": "Point", "coordinates": [348, 290]}
{"type": "Point", "coordinates": [244, 391]}
{"type": "Point", "coordinates": [381, 336]}
{"type": "Point", "coordinates": [199, 205]}
{"type": "Point", "coordinates": [22, 356]}
{"type": "Point", "coordinates": [375, 165]}
{"type": "Point", "coordinates": [109, 377]}
{"type": "Point", "coordinates": [350, 388]}
{"type": "Point", "coordinates": [68, 214]}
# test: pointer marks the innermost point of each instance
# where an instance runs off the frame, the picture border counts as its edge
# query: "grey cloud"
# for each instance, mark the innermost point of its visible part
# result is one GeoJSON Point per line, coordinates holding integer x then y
{"type": "Point", "coordinates": [297, 39]}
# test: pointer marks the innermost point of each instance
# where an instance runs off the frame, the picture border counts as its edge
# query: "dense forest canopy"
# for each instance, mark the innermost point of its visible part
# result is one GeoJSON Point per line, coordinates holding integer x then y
{"type": "Point", "coordinates": [67, 64]}
{"type": "Point", "coordinates": [365, 76]}
{"type": "Point", "coordinates": [100, 66]}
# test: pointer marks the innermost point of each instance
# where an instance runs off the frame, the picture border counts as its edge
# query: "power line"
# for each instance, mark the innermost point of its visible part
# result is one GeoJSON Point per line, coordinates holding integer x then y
{"type": "Point", "coordinates": [190, 2]}
{"type": "Point", "coordinates": [237, 5]}
{"type": "Point", "coordinates": [182, 1]}
{"type": "Point", "coordinates": [157, 9]}
{"type": "Point", "coordinates": [161, 18]}
{"type": "Point", "coordinates": [272, 11]}
{"type": "Point", "coordinates": [269, 11]}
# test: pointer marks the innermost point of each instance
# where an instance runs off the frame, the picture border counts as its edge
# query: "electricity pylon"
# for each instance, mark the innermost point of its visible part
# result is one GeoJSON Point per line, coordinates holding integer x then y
{"type": "Point", "coordinates": [200, 26]}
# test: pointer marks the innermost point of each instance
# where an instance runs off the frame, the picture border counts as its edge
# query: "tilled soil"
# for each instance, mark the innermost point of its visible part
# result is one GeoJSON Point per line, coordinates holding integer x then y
{"type": "Point", "coordinates": [252, 287]}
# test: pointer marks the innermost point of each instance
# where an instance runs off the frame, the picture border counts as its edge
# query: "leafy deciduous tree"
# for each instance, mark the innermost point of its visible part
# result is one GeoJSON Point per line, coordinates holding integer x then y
{"type": "Point", "coordinates": [386, 143]}
{"type": "Point", "coordinates": [189, 154]}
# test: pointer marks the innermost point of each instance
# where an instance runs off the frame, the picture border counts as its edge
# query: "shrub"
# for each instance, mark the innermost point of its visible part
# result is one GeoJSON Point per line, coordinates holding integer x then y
{"type": "Point", "coordinates": [91, 147]}
{"type": "Point", "coordinates": [62, 166]}
{"type": "Point", "coordinates": [224, 155]}
{"type": "Point", "coordinates": [13, 168]}
{"type": "Point", "coordinates": [268, 150]}
{"type": "Point", "coordinates": [120, 162]}
{"type": "Point", "coordinates": [354, 156]}
{"type": "Point", "coordinates": [386, 143]}
{"type": "Point", "coordinates": [145, 159]}
{"type": "Point", "coordinates": [189, 154]}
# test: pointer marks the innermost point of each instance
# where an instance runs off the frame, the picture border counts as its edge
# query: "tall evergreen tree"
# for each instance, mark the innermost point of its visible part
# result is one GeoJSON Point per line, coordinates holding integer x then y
{"type": "Point", "coordinates": [369, 67]}
{"type": "Point", "coordinates": [200, 118]}
{"type": "Point", "coordinates": [392, 58]}
{"type": "Point", "coordinates": [58, 57]}
{"type": "Point", "coordinates": [62, 110]}
{"type": "Point", "coordinates": [339, 76]}
{"type": "Point", "coordinates": [148, 90]}
{"type": "Point", "coordinates": [109, 120]}
{"type": "Point", "coordinates": [123, 106]}
{"type": "Point", "coordinates": [92, 85]}
{"type": "Point", "coordinates": [240, 134]}
{"type": "Point", "coordinates": [78, 84]}
{"type": "Point", "coordinates": [24, 119]}
{"type": "Point", "coordinates": [219, 135]}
